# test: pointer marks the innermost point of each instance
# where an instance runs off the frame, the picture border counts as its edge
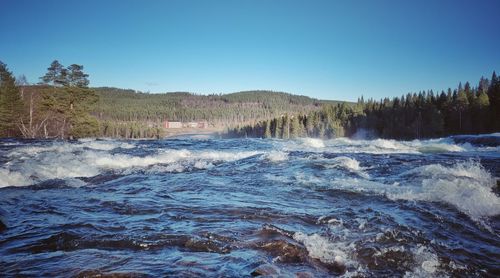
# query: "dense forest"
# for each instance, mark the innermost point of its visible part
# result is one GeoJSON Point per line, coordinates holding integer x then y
{"type": "Point", "coordinates": [426, 114]}
{"type": "Point", "coordinates": [58, 108]}
{"type": "Point", "coordinates": [63, 106]}
{"type": "Point", "coordinates": [220, 111]}
{"type": "Point", "coordinates": [131, 114]}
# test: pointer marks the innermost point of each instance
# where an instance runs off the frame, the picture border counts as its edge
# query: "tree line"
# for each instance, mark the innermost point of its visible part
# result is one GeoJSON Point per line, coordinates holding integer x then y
{"type": "Point", "coordinates": [63, 106]}
{"type": "Point", "coordinates": [465, 110]}
{"type": "Point", "coordinates": [218, 109]}
{"type": "Point", "coordinates": [55, 108]}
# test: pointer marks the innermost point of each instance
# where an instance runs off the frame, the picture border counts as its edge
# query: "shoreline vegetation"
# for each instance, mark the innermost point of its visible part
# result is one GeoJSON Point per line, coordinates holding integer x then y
{"type": "Point", "coordinates": [62, 106]}
{"type": "Point", "coordinates": [467, 109]}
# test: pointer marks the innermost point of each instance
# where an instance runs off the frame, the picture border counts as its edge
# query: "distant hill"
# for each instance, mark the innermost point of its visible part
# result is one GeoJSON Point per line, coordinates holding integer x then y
{"type": "Point", "coordinates": [218, 109]}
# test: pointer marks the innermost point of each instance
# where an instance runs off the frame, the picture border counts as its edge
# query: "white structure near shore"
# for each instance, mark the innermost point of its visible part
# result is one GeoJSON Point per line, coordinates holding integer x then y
{"type": "Point", "coordinates": [172, 124]}
{"type": "Point", "coordinates": [199, 124]}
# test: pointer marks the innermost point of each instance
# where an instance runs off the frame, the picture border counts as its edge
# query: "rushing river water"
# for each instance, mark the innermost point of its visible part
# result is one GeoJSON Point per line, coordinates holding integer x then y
{"type": "Point", "coordinates": [207, 207]}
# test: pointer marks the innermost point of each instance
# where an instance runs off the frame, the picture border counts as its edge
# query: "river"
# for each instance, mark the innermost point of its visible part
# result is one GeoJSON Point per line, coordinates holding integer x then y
{"type": "Point", "coordinates": [199, 206]}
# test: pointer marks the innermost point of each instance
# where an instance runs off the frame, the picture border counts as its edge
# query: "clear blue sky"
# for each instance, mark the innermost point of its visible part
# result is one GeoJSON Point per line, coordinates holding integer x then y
{"type": "Point", "coordinates": [324, 49]}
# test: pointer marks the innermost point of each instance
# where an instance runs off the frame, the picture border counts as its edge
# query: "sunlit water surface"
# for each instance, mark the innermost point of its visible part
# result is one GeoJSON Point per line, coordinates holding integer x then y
{"type": "Point", "coordinates": [208, 207]}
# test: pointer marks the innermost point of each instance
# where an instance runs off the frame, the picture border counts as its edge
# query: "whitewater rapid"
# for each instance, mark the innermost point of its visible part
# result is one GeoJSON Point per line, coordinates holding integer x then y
{"type": "Point", "coordinates": [341, 206]}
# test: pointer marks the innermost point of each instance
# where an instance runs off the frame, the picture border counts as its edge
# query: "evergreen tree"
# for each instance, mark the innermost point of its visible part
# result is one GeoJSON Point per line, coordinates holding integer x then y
{"type": "Point", "coordinates": [295, 129]}
{"type": "Point", "coordinates": [76, 76]}
{"type": "Point", "coordinates": [267, 133]}
{"type": "Point", "coordinates": [286, 127]}
{"type": "Point", "coordinates": [10, 103]}
{"type": "Point", "coordinates": [70, 100]}
{"type": "Point", "coordinates": [278, 132]}
{"type": "Point", "coordinates": [461, 103]}
{"type": "Point", "coordinates": [56, 75]}
{"type": "Point", "coordinates": [494, 99]}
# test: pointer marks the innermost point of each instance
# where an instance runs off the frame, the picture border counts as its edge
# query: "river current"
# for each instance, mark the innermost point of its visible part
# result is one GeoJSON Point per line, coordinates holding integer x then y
{"type": "Point", "coordinates": [199, 206]}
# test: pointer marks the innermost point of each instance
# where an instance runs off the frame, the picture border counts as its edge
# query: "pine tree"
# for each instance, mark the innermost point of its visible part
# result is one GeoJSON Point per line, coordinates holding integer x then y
{"type": "Point", "coordinates": [76, 76]}
{"type": "Point", "coordinates": [56, 75]}
{"type": "Point", "coordinates": [461, 103]}
{"type": "Point", "coordinates": [295, 130]}
{"type": "Point", "coordinates": [70, 100]}
{"type": "Point", "coordinates": [278, 132]}
{"type": "Point", "coordinates": [494, 99]}
{"type": "Point", "coordinates": [10, 103]}
{"type": "Point", "coordinates": [286, 127]}
{"type": "Point", "coordinates": [267, 133]}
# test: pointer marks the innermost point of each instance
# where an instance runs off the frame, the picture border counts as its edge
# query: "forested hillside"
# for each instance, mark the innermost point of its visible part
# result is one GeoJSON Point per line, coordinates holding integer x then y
{"type": "Point", "coordinates": [63, 106]}
{"type": "Point", "coordinates": [57, 108]}
{"type": "Point", "coordinates": [465, 110]}
{"type": "Point", "coordinates": [219, 110]}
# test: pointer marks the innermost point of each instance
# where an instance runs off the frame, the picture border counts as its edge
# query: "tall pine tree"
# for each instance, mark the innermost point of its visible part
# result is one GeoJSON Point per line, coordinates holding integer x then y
{"type": "Point", "coordinates": [10, 103]}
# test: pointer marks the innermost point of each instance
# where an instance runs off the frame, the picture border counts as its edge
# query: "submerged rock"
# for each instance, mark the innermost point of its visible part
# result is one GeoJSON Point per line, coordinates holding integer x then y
{"type": "Point", "coordinates": [206, 246]}
{"type": "Point", "coordinates": [285, 252]}
{"type": "Point", "coordinates": [284, 248]}
{"type": "Point", "coordinates": [3, 227]}
{"type": "Point", "coordinates": [265, 270]}
{"type": "Point", "coordinates": [100, 274]}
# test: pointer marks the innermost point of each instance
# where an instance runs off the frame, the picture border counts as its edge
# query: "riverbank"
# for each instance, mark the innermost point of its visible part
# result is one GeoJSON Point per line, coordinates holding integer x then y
{"type": "Point", "coordinates": [193, 132]}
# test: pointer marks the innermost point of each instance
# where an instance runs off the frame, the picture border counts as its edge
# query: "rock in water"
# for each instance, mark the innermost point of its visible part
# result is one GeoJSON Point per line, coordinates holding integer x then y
{"type": "Point", "coordinates": [265, 270]}
{"type": "Point", "coordinates": [3, 227]}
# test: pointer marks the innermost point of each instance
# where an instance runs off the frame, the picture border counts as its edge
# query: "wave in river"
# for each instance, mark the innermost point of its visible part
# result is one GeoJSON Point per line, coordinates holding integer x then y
{"type": "Point", "coordinates": [465, 185]}
{"type": "Point", "coordinates": [305, 207]}
{"type": "Point", "coordinates": [31, 165]}
{"type": "Point", "coordinates": [478, 143]}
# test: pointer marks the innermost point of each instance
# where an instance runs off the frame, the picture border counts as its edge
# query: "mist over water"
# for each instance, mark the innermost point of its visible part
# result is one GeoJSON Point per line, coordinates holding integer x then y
{"type": "Point", "coordinates": [209, 207]}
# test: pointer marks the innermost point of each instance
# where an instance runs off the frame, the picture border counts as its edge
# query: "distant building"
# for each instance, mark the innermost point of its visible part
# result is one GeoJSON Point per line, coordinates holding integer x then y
{"type": "Point", "coordinates": [202, 125]}
{"type": "Point", "coordinates": [192, 124]}
{"type": "Point", "coordinates": [169, 124]}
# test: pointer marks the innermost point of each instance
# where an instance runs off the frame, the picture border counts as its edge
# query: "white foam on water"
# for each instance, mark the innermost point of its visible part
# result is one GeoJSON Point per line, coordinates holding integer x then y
{"type": "Point", "coordinates": [89, 158]}
{"type": "Point", "coordinates": [55, 165]}
{"type": "Point", "coordinates": [362, 223]}
{"type": "Point", "coordinates": [277, 179]}
{"type": "Point", "coordinates": [63, 147]}
{"type": "Point", "coordinates": [276, 156]}
{"type": "Point", "coordinates": [362, 185]}
{"type": "Point", "coordinates": [347, 163]}
{"type": "Point", "coordinates": [312, 142]}
{"type": "Point", "coordinates": [427, 263]}
{"type": "Point", "coordinates": [440, 147]}
{"type": "Point", "coordinates": [10, 178]}
{"type": "Point", "coordinates": [27, 151]}
{"type": "Point", "coordinates": [174, 160]}
{"type": "Point", "coordinates": [375, 146]}
{"type": "Point", "coordinates": [10, 143]}
{"type": "Point", "coordinates": [489, 149]}
{"type": "Point", "coordinates": [307, 179]}
{"type": "Point", "coordinates": [384, 250]}
{"type": "Point", "coordinates": [107, 145]}
{"type": "Point", "coordinates": [389, 146]}
{"type": "Point", "coordinates": [465, 185]}
{"type": "Point", "coordinates": [122, 161]}
{"type": "Point", "coordinates": [319, 247]}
